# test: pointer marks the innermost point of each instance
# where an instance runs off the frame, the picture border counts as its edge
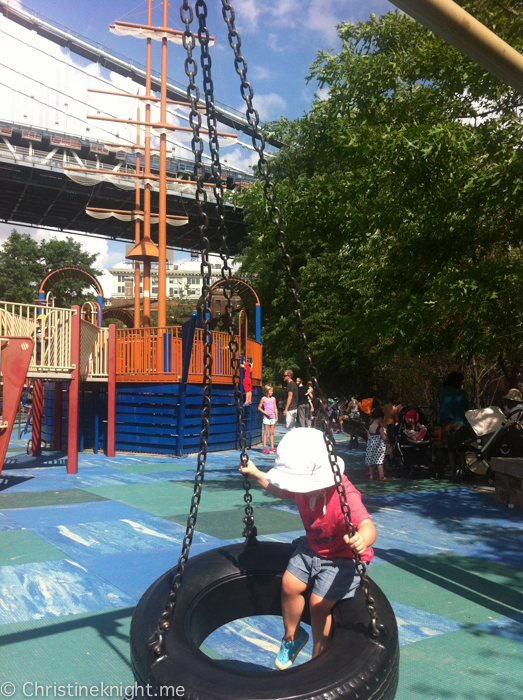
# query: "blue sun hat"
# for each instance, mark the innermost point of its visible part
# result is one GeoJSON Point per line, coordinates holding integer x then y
{"type": "Point", "coordinates": [302, 462]}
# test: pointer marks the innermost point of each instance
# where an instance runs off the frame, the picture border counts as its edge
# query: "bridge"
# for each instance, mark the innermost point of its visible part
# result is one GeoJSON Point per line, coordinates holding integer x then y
{"type": "Point", "coordinates": [37, 190]}
{"type": "Point", "coordinates": [38, 185]}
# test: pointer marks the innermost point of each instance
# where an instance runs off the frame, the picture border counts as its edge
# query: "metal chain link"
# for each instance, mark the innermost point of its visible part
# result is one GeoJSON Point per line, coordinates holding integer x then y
{"type": "Point", "coordinates": [216, 169]}
{"type": "Point", "coordinates": [193, 95]}
{"type": "Point", "coordinates": [258, 142]}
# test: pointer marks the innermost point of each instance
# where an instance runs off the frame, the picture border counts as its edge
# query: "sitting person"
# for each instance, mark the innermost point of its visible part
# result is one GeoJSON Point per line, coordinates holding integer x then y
{"type": "Point", "coordinates": [324, 562]}
{"type": "Point", "coordinates": [413, 427]}
{"type": "Point", "coordinates": [513, 405]}
{"type": "Point", "coordinates": [351, 412]}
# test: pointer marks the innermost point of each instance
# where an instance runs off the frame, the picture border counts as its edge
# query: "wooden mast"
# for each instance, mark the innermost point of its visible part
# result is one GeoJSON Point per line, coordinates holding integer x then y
{"type": "Point", "coordinates": [137, 275]}
{"type": "Point", "coordinates": [147, 186]}
{"type": "Point", "coordinates": [162, 207]}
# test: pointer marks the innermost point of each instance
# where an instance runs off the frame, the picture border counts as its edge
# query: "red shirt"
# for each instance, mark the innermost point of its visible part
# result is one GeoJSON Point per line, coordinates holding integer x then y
{"type": "Point", "coordinates": [325, 531]}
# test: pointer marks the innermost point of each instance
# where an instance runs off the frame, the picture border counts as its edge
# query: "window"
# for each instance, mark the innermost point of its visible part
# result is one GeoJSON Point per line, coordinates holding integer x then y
{"type": "Point", "coordinates": [218, 303]}
{"type": "Point", "coordinates": [155, 290]}
{"type": "Point", "coordinates": [121, 278]}
{"type": "Point", "coordinates": [121, 290]}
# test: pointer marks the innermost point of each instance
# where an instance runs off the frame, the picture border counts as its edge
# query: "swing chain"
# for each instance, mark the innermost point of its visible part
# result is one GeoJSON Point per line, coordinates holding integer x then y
{"type": "Point", "coordinates": [216, 169]}
{"type": "Point", "coordinates": [258, 142]}
{"type": "Point", "coordinates": [193, 95]}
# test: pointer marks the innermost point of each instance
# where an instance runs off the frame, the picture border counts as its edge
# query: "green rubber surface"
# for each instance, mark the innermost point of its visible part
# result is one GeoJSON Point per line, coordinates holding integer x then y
{"type": "Point", "coordinates": [36, 499]}
{"type": "Point", "coordinates": [462, 589]}
{"type": "Point", "coordinates": [144, 468]}
{"type": "Point", "coordinates": [229, 525]}
{"type": "Point", "coordinates": [469, 664]}
{"type": "Point", "coordinates": [84, 649]}
{"type": "Point", "coordinates": [23, 546]}
{"type": "Point", "coordinates": [167, 499]}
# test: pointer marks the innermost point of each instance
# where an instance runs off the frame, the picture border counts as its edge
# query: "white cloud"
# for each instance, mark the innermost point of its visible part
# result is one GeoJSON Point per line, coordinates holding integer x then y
{"type": "Point", "coordinates": [318, 16]}
{"type": "Point", "coordinates": [247, 13]}
{"type": "Point", "coordinates": [269, 106]}
{"type": "Point", "coordinates": [241, 158]}
{"type": "Point", "coordinates": [322, 17]}
{"type": "Point", "coordinates": [275, 44]}
{"type": "Point", "coordinates": [260, 72]}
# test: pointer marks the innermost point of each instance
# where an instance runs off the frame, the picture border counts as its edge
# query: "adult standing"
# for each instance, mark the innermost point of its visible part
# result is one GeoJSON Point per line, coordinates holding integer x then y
{"type": "Point", "coordinates": [291, 405]}
{"type": "Point", "coordinates": [303, 405]}
{"type": "Point", "coordinates": [391, 411]}
{"type": "Point", "coordinates": [454, 402]}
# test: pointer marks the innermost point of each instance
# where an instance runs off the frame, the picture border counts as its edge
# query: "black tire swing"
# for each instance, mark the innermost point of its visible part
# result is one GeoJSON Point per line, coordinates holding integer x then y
{"type": "Point", "coordinates": [242, 580]}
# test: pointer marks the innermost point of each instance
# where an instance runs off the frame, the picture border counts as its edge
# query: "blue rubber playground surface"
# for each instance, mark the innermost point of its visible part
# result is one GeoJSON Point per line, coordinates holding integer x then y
{"type": "Point", "coordinates": [77, 552]}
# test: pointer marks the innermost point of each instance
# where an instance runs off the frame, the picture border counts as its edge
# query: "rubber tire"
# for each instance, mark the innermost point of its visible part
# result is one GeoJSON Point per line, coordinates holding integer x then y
{"type": "Point", "coordinates": [237, 581]}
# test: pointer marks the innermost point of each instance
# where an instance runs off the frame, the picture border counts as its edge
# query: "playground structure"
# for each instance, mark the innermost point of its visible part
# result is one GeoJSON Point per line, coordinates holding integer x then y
{"type": "Point", "coordinates": [156, 353]}
{"type": "Point", "coordinates": [128, 388]}
{"type": "Point", "coordinates": [132, 389]}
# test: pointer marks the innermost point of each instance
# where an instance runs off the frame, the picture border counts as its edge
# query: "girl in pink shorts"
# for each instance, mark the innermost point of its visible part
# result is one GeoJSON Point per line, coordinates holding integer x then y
{"type": "Point", "coordinates": [270, 416]}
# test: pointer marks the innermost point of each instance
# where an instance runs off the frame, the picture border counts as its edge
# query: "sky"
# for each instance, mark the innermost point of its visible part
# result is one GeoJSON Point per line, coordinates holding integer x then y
{"type": "Point", "coordinates": [280, 39]}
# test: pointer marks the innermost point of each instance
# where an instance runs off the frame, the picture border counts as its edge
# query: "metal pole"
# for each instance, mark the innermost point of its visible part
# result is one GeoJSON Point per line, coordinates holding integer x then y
{"type": "Point", "coordinates": [147, 186]}
{"type": "Point", "coordinates": [137, 320]}
{"type": "Point", "coordinates": [74, 394]}
{"type": "Point", "coordinates": [38, 410]}
{"type": "Point", "coordinates": [162, 208]}
{"type": "Point", "coordinates": [111, 394]}
{"type": "Point", "coordinates": [449, 21]}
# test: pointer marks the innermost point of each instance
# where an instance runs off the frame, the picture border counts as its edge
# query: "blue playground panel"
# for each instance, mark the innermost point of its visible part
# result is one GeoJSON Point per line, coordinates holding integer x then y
{"type": "Point", "coordinates": [148, 417]}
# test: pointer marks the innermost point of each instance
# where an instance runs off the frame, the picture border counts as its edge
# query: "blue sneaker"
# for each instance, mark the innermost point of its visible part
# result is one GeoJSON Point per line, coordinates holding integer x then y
{"type": "Point", "coordinates": [290, 650]}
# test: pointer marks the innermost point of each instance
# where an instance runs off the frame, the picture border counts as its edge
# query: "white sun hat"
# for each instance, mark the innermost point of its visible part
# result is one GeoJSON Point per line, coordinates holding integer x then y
{"type": "Point", "coordinates": [302, 462]}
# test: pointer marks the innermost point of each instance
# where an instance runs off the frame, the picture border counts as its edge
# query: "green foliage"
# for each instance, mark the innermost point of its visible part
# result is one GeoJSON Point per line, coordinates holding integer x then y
{"type": "Point", "coordinates": [24, 263]}
{"type": "Point", "coordinates": [401, 196]}
{"type": "Point", "coordinates": [21, 269]}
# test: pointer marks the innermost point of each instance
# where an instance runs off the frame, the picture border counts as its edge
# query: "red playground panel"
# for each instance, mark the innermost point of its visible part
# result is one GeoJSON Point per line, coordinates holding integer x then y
{"type": "Point", "coordinates": [15, 356]}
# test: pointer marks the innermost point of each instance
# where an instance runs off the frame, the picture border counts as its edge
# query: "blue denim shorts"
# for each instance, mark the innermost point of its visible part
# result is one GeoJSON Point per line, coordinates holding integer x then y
{"type": "Point", "coordinates": [333, 579]}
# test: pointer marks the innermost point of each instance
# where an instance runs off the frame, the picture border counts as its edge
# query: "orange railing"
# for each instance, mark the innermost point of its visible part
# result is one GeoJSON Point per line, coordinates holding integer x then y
{"type": "Point", "coordinates": [254, 351]}
{"type": "Point", "coordinates": [156, 354]}
{"type": "Point", "coordinates": [148, 353]}
{"type": "Point", "coordinates": [221, 357]}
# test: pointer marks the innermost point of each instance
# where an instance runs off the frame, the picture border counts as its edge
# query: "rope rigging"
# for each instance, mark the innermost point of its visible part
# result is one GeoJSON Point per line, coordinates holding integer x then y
{"type": "Point", "coordinates": [73, 66]}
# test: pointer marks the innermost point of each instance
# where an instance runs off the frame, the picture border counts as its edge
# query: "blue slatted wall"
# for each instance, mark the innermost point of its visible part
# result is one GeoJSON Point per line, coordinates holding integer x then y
{"type": "Point", "coordinates": [147, 417]}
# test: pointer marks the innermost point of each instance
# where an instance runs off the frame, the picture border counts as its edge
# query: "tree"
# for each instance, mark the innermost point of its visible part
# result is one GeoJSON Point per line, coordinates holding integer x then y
{"type": "Point", "coordinates": [21, 268]}
{"type": "Point", "coordinates": [69, 253]}
{"type": "Point", "coordinates": [401, 197]}
{"type": "Point", "coordinates": [24, 263]}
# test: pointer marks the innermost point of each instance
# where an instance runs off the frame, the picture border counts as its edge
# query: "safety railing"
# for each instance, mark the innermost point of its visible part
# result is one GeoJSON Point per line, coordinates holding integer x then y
{"type": "Point", "coordinates": [49, 327]}
{"type": "Point", "coordinates": [221, 357]}
{"type": "Point", "coordinates": [254, 352]}
{"type": "Point", "coordinates": [98, 364]}
{"type": "Point", "coordinates": [156, 353]}
{"type": "Point", "coordinates": [148, 353]}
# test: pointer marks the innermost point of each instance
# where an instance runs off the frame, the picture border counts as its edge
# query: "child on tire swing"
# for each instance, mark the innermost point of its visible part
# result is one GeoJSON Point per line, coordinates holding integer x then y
{"type": "Point", "coordinates": [324, 560]}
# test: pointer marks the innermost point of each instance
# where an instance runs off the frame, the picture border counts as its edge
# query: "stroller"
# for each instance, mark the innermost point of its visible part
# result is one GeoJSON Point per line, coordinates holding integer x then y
{"type": "Point", "coordinates": [496, 435]}
{"type": "Point", "coordinates": [408, 452]}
